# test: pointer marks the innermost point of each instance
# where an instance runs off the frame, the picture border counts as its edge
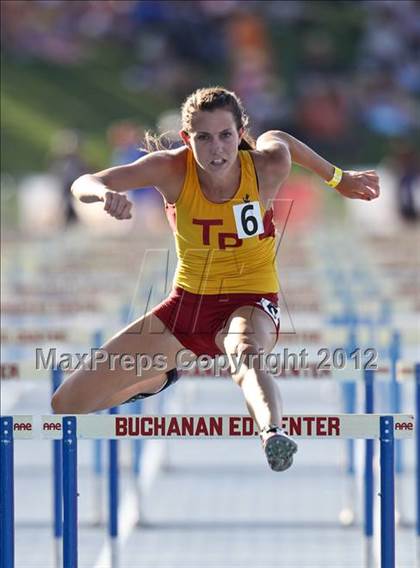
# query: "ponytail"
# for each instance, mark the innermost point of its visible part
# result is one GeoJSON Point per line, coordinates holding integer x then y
{"type": "Point", "coordinates": [155, 142]}
{"type": "Point", "coordinates": [247, 142]}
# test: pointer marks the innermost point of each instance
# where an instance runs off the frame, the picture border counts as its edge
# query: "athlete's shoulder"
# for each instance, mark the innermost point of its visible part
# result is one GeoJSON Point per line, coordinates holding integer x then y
{"type": "Point", "coordinates": [177, 157]}
{"type": "Point", "coordinates": [267, 162]}
{"type": "Point", "coordinates": [174, 162]}
{"type": "Point", "coordinates": [272, 167]}
{"type": "Point", "coordinates": [270, 158]}
{"type": "Point", "coordinates": [167, 158]}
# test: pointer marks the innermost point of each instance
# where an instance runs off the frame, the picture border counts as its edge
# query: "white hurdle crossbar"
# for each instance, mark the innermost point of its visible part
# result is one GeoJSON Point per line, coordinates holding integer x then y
{"type": "Point", "coordinates": [69, 429]}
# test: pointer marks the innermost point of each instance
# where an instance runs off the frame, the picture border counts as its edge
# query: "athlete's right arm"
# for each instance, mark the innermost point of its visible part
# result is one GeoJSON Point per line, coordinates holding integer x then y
{"type": "Point", "coordinates": [107, 185]}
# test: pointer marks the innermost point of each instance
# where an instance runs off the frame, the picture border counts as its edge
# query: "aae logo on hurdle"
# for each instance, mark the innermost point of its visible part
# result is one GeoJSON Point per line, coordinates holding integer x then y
{"type": "Point", "coordinates": [404, 426]}
{"type": "Point", "coordinates": [194, 426]}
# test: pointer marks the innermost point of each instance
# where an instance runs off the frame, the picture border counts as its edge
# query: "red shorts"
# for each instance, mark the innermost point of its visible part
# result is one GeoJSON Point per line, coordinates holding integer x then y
{"type": "Point", "coordinates": [196, 319]}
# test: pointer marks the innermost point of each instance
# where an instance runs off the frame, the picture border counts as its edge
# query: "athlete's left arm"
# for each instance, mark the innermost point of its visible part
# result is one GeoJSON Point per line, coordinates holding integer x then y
{"type": "Point", "coordinates": [353, 184]}
{"type": "Point", "coordinates": [273, 162]}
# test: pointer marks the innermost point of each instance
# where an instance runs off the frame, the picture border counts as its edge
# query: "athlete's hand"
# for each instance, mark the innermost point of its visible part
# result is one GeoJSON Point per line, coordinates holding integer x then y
{"type": "Point", "coordinates": [359, 185]}
{"type": "Point", "coordinates": [117, 205]}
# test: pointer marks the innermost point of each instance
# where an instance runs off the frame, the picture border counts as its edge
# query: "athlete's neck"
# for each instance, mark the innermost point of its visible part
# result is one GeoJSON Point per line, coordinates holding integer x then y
{"type": "Point", "coordinates": [220, 188]}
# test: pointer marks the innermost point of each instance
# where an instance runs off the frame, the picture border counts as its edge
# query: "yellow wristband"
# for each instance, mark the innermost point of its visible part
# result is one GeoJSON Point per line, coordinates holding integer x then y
{"type": "Point", "coordinates": [337, 177]}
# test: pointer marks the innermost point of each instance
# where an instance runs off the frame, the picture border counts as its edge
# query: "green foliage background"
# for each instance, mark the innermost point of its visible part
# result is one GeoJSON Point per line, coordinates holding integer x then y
{"type": "Point", "coordinates": [38, 98]}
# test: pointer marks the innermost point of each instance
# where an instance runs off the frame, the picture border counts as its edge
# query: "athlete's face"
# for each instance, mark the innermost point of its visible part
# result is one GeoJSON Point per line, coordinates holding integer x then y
{"type": "Point", "coordinates": [214, 140]}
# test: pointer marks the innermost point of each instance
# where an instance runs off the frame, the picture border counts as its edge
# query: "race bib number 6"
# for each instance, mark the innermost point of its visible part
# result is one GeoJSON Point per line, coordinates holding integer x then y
{"type": "Point", "coordinates": [248, 219]}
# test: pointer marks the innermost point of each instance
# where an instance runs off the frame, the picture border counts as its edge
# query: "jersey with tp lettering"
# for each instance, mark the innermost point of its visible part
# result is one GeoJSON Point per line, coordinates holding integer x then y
{"type": "Point", "coordinates": [223, 247]}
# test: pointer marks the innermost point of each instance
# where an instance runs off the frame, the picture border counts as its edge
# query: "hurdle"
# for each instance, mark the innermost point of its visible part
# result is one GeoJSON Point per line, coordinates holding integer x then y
{"type": "Point", "coordinates": [310, 372]}
{"type": "Point", "coordinates": [69, 429]}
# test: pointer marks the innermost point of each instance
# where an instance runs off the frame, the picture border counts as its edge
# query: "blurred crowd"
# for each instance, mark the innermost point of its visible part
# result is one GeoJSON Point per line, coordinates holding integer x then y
{"type": "Point", "coordinates": [376, 81]}
{"type": "Point", "coordinates": [340, 76]}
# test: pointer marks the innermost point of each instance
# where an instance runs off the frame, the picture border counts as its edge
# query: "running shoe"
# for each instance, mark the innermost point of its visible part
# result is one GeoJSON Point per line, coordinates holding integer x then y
{"type": "Point", "coordinates": [278, 447]}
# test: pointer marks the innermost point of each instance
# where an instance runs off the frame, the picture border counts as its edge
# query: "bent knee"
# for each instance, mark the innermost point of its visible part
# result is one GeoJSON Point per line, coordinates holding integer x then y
{"type": "Point", "coordinates": [62, 404]}
{"type": "Point", "coordinates": [243, 347]}
{"type": "Point", "coordinates": [243, 355]}
{"type": "Point", "coordinates": [58, 404]}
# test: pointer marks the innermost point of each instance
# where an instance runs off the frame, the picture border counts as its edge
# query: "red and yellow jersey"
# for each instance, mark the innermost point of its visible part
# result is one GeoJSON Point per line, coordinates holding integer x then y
{"type": "Point", "coordinates": [223, 247]}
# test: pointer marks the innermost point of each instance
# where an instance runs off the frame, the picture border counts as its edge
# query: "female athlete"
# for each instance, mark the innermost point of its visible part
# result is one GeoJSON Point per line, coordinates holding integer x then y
{"type": "Point", "coordinates": [218, 189]}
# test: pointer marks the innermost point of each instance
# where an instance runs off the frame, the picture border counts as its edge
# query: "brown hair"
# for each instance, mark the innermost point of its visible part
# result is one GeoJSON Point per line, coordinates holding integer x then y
{"type": "Point", "coordinates": [207, 99]}
{"type": "Point", "coordinates": [213, 98]}
{"type": "Point", "coordinates": [154, 142]}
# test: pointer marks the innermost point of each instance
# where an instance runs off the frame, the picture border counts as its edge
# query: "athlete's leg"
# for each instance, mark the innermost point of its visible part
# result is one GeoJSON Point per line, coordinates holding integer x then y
{"type": "Point", "coordinates": [110, 384]}
{"type": "Point", "coordinates": [249, 333]}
